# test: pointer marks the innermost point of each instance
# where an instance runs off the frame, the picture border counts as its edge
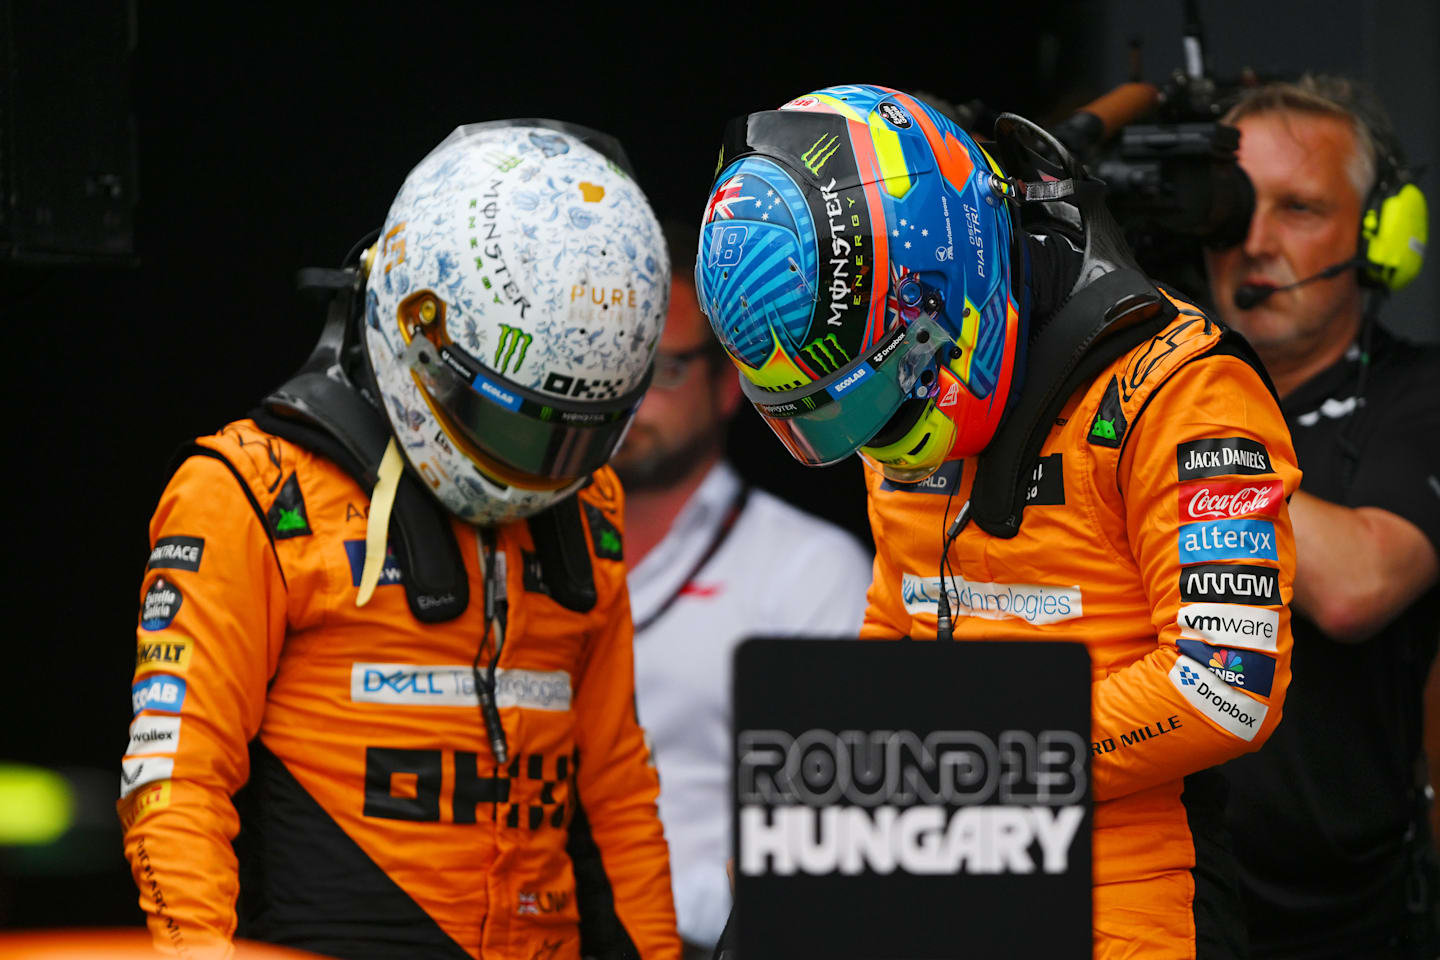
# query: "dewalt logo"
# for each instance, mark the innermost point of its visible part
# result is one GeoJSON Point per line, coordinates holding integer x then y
{"type": "Point", "coordinates": [510, 338]}
{"type": "Point", "coordinates": [825, 353]}
{"type": "Point", "coordinates": [819, 154]}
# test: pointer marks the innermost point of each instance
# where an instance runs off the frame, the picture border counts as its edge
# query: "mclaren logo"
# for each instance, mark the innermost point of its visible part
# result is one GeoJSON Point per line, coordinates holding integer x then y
{"type": "Point", "coordinates": [510, 338]}
{"type": "Point", "coordinates": [826, 354]}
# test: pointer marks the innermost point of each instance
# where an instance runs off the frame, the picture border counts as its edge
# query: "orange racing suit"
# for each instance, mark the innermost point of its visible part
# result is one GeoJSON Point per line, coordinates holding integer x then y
{"type": "Point", "coordinates": [1156, 533]}
{"type": "Point", "coordinates": [382, 824]}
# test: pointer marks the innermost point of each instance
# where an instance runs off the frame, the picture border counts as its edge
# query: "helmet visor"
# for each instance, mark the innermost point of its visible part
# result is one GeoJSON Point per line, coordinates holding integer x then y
{"type": "Point", "coordinates": [534, 435]}
{"type": "Point", "coordinates": [826, 421]}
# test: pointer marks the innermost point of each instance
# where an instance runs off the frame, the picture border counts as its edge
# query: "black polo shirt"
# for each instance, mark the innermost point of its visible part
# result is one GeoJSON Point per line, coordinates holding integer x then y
{"type": "Point", "coordinates": [1319, 815]}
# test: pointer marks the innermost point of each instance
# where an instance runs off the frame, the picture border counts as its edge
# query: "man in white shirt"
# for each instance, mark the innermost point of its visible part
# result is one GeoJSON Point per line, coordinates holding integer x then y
{"type": "Point", "coordinates": [712, 561]}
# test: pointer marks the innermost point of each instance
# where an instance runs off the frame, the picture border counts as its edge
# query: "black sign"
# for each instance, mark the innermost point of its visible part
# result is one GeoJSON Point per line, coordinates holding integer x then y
{"type": "Point", "coordinates": [911, 800]}
{"type": "Point", "coordinates": [177, 553]}
{"type": "Point", "coordinates": [1229, 583]}
{"type": "Point", "coordinates": [1224, 456]}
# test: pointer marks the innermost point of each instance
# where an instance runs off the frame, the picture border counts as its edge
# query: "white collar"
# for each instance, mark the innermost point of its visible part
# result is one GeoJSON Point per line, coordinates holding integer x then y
{"type": "Point", "coordinates": [661, 573]}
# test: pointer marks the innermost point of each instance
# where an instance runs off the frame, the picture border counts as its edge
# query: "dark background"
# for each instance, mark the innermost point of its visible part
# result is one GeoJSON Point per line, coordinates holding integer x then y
{"type": "Point", "coordinates": [166, 171]}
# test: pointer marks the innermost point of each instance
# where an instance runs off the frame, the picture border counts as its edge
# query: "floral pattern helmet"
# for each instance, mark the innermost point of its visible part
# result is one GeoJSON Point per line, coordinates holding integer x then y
{"type": "Point", "coordinates": [513, 305]}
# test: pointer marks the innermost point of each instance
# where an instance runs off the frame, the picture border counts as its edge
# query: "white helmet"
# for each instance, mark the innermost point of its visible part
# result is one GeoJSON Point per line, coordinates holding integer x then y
{"type": "Point", "coordinates": [513, 305]}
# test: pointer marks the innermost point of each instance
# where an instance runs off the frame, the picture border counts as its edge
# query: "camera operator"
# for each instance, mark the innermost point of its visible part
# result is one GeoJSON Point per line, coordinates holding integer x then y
{"type": "Point", "coordinates": [1329, 818]}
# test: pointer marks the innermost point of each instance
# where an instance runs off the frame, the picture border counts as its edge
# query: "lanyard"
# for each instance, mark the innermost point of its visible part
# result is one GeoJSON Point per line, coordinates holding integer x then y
{"type": "Point", "coordinates": [732, 513]}
{"type": "Point", "coordinates": [496, 610]}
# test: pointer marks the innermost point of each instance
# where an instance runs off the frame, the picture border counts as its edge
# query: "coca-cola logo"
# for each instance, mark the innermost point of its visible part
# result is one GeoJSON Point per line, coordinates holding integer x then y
{"type": "Point", "coordinates": [1226, 499]}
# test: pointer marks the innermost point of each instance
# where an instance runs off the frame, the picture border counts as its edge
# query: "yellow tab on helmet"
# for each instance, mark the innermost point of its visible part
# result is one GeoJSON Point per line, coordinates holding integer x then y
{"type": "Point", "coordinates": [839, 106]}
{"type": "Point", "coordinates": [893, 168]}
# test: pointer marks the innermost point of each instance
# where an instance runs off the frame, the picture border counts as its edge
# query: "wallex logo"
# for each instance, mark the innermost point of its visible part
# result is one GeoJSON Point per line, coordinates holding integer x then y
{"type": "Point", "coordinates": [171, 655]}
{"type": "Point", "coordinates": [355, 553]}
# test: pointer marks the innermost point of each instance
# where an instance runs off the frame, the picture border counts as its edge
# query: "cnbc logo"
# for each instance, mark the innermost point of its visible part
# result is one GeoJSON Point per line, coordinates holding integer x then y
{"type": "Point", "coordinates": [1228, 666]}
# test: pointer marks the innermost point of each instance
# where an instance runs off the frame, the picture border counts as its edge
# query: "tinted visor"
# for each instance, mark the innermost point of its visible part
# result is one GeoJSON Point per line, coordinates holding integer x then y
{"type": "Point", "coordinates": [826, 421]}
{"type": "Point", "coordinates": [535, 435]}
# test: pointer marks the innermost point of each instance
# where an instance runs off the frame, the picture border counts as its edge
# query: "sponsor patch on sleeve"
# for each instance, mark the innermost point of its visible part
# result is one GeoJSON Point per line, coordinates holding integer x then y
{"type": "Point", "coordinates": [1226, 540]}
{"type": "Point", "coordinates": [1232, 710]}
{"type": "Point", "coordinates": [177, 553]}
{"type": "Point", "coordinates": [144, 802]}
{"type": "Point", "coordinates": [1246, 669]}
{"type": "Point", "coordinates": [135, 772]}
{"type": "Point", "coordinates": [1221, 456]}
{"type": "Point", "coordinates": [161, 603]}
{"type": "Point", "coordinates": [942, 481]}
{"type": "Point", "coordinates": [168, 654]}
{"type": "Point", "coordinates": [1233, 624]}
{"type": "Point", "coordinates": [1228, 499]}
{"type": "Point", "coordinates": [1230, 583]}
{"type": "Point", "coordinates": [149, 734]}
{"type": "Point", "coordinates": [160, 693]}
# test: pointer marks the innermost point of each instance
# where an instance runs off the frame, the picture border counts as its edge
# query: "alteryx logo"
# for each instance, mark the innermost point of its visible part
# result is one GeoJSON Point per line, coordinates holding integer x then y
{"type": "Point", "coordinates": [389, 573]}
{"type": "Point", "coordinates": [1245, 669]}
{"type": "Point", "coordinates": [1227, 540]}
{"type": "Point", "coordinates": [165, 694]}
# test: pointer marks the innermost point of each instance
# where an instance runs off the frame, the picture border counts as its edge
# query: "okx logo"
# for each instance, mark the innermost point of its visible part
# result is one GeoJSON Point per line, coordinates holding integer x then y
{"type": "Point", "coordinates": [511, 338]}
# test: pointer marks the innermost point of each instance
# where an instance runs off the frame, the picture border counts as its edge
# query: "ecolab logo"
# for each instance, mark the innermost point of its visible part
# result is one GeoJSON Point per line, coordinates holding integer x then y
{"type": "Point", "coordinates": [861, 372]}
{"type": "Point", "coordinates": [166, 694]}
{"type": "Point", "coordinates": [1226, 499]}
{"type": "Point", "coordinates": [1232, 624]}
{"type": "Point", "coordinates": [1031, 602]}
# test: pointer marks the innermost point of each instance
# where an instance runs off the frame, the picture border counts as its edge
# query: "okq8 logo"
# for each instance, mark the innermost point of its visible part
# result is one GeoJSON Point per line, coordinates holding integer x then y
{"type": "Point", "coordinates": [954, 801]}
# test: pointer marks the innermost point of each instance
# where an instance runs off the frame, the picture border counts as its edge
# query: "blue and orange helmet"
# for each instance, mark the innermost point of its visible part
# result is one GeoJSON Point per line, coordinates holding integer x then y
{"type": "Point", "coordinates": [856, 263]}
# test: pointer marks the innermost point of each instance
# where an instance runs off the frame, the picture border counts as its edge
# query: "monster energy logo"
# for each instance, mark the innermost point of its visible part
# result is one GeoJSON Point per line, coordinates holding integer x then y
{"type": "Point", "coordinates": [826, 353]}
{"type": "Point", "coordinates": [510, 337]}
{"type": "Point", "coordinates": [503, 161]}
{"type": "Point", "coordinates": [809, 402]}
{"type": "Point", "coordinates": [820, 151]}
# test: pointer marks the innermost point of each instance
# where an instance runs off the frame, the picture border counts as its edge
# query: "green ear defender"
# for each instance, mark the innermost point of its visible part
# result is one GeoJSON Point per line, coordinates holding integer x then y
{"type": "Point", "coordinates": [1393, 234]}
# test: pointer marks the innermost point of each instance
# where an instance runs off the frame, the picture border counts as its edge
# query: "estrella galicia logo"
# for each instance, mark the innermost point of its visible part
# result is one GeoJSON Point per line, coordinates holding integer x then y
{"type": "Point", "coordinates": [1222, 456]}
{"type": "Point", "coordinates": [177, 553]}
{"type": "Point", "coordinates": [1230, 583]}
{"type": "Point", "coordinates": [894, 115]}
{"type": "Point", "coordinates": [162, 601]}
{"type": "Point", "coordinates": [1245, 669]}
{"type": "Point", "coordinates": [163, 693]}
{"type": "Point", "coordinates": [389, 573]}
{"type": "Point", "coordinates": [1227, 540]}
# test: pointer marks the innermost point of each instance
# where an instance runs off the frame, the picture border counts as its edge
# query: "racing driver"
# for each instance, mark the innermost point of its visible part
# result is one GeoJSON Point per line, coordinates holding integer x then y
{"type": "Point", "coordinates": [390, 604]}
{"type": "Point", "coordinates": [1056, 448]}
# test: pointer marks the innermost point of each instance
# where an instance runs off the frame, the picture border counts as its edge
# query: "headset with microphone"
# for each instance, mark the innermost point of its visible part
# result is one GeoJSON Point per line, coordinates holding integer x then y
{"type": "Point", "coordinates": [1394, 226]}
